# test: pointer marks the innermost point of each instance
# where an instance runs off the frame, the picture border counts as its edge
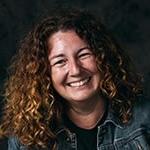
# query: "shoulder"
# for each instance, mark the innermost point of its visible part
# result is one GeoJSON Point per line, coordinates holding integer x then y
{"type": "Point", "coordinates": [14, 144]}
{"type": "Point", "coordinates": [136, 133]}
{"type": "Point", "coordinates": [141, 109]}
{"type": "Point", "coordinates": [140, 114]}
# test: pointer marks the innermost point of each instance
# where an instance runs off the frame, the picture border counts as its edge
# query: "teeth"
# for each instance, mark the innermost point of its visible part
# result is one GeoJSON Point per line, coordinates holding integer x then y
{"type": "Point", "coordinates": [80, 83]}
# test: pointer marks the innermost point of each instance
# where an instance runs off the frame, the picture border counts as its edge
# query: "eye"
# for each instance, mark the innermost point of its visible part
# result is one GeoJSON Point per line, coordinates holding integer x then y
{"type": "Point", "coordinates": [85, 55]}
{"type": "Point", "coordinates": [59, 63]}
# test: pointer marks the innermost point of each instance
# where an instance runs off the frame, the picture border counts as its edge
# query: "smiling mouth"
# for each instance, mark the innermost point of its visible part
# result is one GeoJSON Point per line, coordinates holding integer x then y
{"type": "Point", "coordinates": [79, 83]}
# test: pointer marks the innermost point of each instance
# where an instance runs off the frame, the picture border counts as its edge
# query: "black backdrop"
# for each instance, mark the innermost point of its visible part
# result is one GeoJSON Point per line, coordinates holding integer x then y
{"type": "Point", "coordinates": [129, 20]}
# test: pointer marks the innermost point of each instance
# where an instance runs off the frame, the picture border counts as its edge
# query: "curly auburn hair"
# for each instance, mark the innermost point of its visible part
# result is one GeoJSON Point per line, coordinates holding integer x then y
{"type": "Point", "coordinates": [31, 107]}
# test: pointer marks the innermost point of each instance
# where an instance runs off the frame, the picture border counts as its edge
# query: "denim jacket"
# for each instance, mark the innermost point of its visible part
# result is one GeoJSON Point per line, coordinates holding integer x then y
{"type": "Point", "coordinates": [112, 134]}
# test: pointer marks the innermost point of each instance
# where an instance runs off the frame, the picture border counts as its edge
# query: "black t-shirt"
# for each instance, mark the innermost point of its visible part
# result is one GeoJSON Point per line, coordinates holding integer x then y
{"type": "Point", "coordinates": [86, 138]}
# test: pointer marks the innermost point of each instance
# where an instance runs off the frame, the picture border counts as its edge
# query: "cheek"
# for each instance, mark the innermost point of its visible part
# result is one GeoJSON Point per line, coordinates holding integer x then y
{"type": "Point", "coordinates": [91, 66]}
{"type": "Point", "coordinates": [57, 77]}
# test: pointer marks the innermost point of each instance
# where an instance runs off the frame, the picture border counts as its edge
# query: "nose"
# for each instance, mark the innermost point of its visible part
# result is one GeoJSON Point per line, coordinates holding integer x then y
{"type": "Point", "coordinates": [74, 68]}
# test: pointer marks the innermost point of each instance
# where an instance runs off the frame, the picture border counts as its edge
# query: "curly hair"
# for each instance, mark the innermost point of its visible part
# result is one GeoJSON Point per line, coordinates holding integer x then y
{"type": "Point", "coordinates": [32, 108]}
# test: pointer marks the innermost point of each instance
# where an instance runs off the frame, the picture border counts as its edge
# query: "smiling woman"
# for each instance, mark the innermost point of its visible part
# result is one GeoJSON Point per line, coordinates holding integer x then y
{"type": "Point", "coordinates": [70, 57]}
{"type": "Point", "coordinates": [71, 86]}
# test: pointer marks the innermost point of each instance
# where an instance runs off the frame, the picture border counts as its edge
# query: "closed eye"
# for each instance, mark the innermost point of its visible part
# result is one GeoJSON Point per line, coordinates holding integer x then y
{"type": "Point", "coordinates": [85, 55]}
{"type": "Point", "coordinates": [59, 63]}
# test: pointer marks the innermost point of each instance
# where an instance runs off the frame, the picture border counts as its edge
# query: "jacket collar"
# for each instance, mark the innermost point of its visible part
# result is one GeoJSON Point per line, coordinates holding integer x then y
{"type": "Point", "coordinates": [111, 117]}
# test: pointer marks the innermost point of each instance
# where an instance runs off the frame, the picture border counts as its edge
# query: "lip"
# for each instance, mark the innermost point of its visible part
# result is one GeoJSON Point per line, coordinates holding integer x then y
{"type": "Point", "coordinates": [79, 83]}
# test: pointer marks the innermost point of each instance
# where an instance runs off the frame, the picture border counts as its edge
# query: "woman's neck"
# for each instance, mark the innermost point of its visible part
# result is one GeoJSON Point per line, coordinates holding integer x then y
{"type": "Point", "coordinates": [87, 114]}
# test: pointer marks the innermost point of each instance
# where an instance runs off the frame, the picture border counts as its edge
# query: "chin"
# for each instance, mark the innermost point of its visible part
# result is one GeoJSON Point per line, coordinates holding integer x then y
{"type": "Point", "coordinates": [84, 97]}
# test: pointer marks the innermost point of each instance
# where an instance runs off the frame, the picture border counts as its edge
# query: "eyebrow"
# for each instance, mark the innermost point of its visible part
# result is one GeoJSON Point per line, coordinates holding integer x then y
{"type": "Point", "coordinates": [62, 55]}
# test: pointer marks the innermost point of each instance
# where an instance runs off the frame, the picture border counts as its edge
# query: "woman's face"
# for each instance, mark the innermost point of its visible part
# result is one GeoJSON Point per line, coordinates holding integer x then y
{"type": "Point", "coordinates": [73, 67]}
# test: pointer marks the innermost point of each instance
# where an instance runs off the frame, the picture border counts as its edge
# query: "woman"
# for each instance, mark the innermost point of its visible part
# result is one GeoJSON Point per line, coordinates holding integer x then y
{"type": "Point", "coordinates": [72, 87]}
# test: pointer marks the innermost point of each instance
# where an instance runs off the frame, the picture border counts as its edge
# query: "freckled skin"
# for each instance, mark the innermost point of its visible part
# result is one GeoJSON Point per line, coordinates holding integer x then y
{"type": "Point", "coordinates": [71, 61]}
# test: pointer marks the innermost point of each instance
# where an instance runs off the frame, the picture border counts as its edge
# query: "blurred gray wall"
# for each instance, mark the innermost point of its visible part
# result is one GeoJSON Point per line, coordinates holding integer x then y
{"type": "Point", "coordinates": [129, 20]}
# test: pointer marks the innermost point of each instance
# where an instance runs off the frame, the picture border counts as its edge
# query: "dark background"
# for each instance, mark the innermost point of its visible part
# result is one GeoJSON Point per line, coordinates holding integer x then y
{"type": "Point", "coordinates": [129, 20]}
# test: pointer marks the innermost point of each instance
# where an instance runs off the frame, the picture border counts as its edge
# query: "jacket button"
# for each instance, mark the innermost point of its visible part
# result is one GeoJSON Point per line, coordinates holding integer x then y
{"type": "Point", "coordinates": [68, 139]}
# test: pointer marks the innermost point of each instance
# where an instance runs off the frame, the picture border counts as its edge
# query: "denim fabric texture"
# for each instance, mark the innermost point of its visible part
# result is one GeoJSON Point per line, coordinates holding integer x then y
{"type": "Point", "coordinates": [112, 134]}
